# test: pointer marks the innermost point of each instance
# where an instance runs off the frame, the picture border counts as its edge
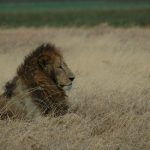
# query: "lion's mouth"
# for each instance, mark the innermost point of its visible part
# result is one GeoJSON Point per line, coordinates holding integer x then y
{"type": "Point", "coordinates": [65, 87]}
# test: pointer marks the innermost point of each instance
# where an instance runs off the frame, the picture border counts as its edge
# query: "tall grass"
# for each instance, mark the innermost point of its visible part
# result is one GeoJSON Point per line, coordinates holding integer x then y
{"type": "Point", "coordinates": [110, 98]}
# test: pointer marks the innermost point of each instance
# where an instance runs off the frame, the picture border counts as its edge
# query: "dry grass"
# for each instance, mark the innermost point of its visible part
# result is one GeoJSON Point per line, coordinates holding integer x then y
{"type": "Point", "coordinates": [110, 98]}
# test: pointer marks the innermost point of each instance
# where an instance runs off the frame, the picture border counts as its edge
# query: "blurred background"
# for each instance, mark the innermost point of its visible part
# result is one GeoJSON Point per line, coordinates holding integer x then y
{"type": "Point", "coordinates": [110, 98]}
{"type": "Point", "coordinates": [60, 13]}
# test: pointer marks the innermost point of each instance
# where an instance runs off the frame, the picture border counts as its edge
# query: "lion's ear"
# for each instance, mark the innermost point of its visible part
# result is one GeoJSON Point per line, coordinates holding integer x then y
{"type": "Point", "coordinates": [43, 61]}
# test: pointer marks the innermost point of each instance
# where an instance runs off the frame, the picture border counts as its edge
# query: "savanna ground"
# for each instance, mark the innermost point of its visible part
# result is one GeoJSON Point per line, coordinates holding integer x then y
{"type": "Point", "coordinates": [110, 98]}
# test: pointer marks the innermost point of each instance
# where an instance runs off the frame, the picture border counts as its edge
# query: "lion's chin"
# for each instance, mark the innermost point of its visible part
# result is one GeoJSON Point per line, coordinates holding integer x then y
{"type": "Point", "coordinates": [67, 87]}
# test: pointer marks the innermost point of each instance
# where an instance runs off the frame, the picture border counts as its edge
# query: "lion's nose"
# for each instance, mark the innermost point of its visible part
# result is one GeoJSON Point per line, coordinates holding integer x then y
{"type": "Point", "coordinates": [72, 78]}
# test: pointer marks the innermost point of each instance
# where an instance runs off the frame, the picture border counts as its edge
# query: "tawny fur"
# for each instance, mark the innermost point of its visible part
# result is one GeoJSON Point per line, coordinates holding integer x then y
{"type": "Point", "coordinates": [33, 93]}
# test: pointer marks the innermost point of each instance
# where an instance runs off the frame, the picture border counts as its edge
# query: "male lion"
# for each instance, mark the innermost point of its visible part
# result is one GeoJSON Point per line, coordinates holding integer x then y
{"type": "Point", "coordinates": [38, 87]}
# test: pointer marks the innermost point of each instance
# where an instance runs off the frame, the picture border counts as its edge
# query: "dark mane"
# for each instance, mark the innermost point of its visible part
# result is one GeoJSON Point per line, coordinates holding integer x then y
{"type": "Point", "coordinates": [40, 50]}
{"type": "Point", "coordinates": [9, 88]}
{"type": "Point", "coordinates": [31, 59]}
{"type": "Point", "coordinates": [30, 70]}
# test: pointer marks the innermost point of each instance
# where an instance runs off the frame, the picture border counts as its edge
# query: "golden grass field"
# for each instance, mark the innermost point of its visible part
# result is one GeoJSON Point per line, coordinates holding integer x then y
{"type": "Point", "coordinates": [110, 98]}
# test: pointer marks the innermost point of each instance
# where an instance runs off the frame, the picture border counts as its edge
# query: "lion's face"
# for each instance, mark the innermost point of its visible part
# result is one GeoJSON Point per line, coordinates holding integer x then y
{"type": "Point", "coordinates": [55, 67]}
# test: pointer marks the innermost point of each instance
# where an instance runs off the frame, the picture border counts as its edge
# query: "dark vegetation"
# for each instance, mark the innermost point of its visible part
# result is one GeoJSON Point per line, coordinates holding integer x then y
{"type": "Point", "coordinates": [74, 13]}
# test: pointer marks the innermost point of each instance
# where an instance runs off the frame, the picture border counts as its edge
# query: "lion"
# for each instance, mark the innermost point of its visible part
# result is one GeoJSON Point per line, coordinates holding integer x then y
{"type": "Point", "coordinates": [39, 86]}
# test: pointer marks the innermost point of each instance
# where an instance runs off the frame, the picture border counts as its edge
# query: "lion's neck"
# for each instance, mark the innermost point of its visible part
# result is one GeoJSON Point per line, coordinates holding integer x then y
{"type": "Point", "coordinates": [44, 93]}
{"type": "Point", "coordinates": [35, 78]}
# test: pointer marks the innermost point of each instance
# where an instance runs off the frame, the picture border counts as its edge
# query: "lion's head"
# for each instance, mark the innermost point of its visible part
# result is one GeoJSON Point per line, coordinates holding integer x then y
{"type": "Point", "coordinates": [54, 66]}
